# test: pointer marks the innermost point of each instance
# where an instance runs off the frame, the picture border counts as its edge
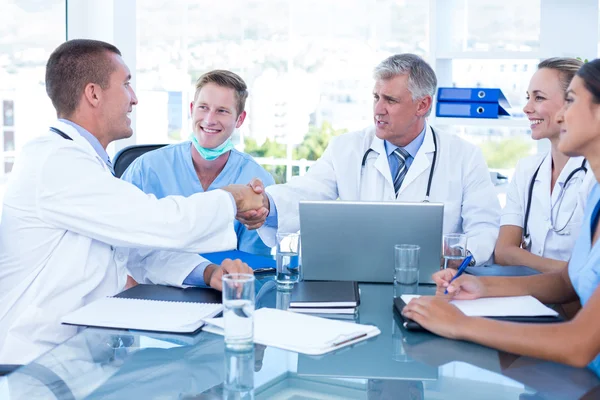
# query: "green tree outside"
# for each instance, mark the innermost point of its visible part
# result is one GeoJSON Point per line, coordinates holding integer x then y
{"type": "Point", "coordinates": [312, 147]}
{"type": "Point", "coordinates": [505, 153]}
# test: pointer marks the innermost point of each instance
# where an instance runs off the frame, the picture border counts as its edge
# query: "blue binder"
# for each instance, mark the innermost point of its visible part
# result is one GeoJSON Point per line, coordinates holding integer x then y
{"type": "Point", "coordinates": [472, 95]}
{"type": "Point", "coordinates": [455, 109]}
{"type": "Point", "coordinates": [254, 261]}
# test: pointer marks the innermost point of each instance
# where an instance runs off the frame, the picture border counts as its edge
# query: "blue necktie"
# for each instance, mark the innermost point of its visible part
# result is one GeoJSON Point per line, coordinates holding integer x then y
{"type": "Point", "coordinates": [110, 166]}
{"type": "Point", "coordinates": [401, 155]}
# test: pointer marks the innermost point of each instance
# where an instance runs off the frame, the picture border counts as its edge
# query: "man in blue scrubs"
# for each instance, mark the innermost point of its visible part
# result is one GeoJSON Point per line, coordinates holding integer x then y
{"type": "Point", "coordinates": [208, 161]}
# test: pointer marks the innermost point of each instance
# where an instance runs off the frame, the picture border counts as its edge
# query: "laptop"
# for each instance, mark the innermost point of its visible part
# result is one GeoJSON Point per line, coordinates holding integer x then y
{"type": "Point", "coordinates": [354, 241]}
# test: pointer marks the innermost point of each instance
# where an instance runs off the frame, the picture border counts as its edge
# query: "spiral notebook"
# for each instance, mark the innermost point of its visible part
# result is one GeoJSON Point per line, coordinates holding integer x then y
{"type": "Point", "coordinates": [145, 315]}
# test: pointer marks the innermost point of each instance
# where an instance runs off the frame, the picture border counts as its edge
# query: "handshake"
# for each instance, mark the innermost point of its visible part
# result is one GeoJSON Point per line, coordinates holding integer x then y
{"type": "Point", "coordinates": [251, 201]}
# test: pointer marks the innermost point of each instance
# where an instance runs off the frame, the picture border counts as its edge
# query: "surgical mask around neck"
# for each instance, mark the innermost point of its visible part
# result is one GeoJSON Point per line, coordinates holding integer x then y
{"type": "Point", "coordinates": [212, 154]}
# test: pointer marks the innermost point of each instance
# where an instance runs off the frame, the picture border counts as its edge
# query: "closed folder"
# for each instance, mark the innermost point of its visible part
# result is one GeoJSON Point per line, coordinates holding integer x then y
{"type": "Point", "coordinates": [453, 109]}
{"type": "Point", "coordinates": [472, 95]}
{"type": "Point", "coordinates": [502, 270]}
{"type": "Point", "coordinates": [254, 261]}
{"type": "Point", "coordinates": [514, 309]}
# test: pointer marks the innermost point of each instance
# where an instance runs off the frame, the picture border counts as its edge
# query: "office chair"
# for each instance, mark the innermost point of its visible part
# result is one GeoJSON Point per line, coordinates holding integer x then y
{"type": "Point", "coordinates": [126, 156]}
{"type": "Point", "coordinates": [6, 369]}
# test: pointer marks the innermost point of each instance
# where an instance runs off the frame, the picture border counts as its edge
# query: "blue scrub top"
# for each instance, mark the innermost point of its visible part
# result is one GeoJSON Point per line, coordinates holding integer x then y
{"type": "Point", "coordinates": [584, 267]}
{"type": "Point", "coordinates": [170, 171]}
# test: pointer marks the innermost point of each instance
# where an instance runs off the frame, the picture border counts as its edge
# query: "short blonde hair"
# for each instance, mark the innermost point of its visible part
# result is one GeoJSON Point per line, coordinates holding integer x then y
{"type": "Point", "coordinates": [225, 79]}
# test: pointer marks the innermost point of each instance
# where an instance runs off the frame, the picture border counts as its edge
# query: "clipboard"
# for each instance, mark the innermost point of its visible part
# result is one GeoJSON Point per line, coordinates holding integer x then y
{"type": "Point", "coordinates": [300, 333]}
{"type": "Point", "coordinates": [411, 325]}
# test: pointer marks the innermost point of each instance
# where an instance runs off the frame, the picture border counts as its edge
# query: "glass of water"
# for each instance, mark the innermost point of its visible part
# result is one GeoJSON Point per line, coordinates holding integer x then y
{"type": "Point", "coordinates": [288, 260]}
{"type": "Point", "coordinates": [238, 313]}
{"type": "Point", "coordinates": [454, 249]}
{"type": "Point", "coordinates": [239, 374]}
{"type": "Point", "coordinates": [406, 269]}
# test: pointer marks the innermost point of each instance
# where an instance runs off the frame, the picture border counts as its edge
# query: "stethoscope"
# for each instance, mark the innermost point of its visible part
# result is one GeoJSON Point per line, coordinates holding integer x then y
{"type": "Point", "coordinates": [60, 133]}
{"type": "Point", "coordinates": [435, 149]}
{"type": "Point", "coordinates": [67, 137]}
{"type": "Point", "coordinates": [526, 235]}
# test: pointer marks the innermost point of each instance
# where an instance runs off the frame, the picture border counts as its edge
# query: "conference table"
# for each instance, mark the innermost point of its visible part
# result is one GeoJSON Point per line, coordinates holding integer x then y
{"type": "Point", "coordinates": [397, 364]}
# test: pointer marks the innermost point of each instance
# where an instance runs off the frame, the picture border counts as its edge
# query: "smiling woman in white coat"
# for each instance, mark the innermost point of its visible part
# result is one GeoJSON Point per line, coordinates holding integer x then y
{"type": "Point", "coordinates": [70, 230]}
{"type": "Point", "coordinates": [400, 158]}
{"type": "Point", "coordinates": [548, 192]}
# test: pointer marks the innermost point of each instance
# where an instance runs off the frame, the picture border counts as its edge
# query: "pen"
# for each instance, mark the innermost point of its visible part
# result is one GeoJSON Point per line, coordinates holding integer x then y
{"type": "Point", "coordinates": [461, 269]}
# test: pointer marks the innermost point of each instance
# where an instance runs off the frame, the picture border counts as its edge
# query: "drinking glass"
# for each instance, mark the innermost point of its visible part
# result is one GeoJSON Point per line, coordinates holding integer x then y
{"type": "Point", "coordinates": [454, 249]}
{"type": "Point", "coordinates": [406, 269]}
{"type": "Point", "coordinates": [238, 314]}
{"type": "Point", "coordinates": [288, 260]}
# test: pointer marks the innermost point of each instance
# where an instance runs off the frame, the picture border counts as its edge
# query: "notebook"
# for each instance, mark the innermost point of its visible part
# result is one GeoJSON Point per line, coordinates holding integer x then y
{"type": "Point", "coordinates": [516, 309]}
{"type": "Point", "coordinates": [170, 293]}
{"type": "Point", "coordinates": [145, 315]}
{"type": "Point", "coordinates": [325, 295]}
{"type": "Point", "coordinates": [328, 311]}
{"type": "Point", "coordinates": [301, 333]}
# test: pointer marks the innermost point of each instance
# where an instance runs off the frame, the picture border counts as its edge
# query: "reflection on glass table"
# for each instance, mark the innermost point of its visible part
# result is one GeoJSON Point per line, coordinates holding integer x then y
{"type": "Point", "coordinates": [397, 364]}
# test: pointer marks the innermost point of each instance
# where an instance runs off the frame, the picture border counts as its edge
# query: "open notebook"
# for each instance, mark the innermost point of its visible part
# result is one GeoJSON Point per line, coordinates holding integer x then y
{"type": "Point", "coordinates": [516, 309]}
{"type": "Point", "coordinates": [301, 333]}
{"type": "Point", "coordinates": [146, 315]}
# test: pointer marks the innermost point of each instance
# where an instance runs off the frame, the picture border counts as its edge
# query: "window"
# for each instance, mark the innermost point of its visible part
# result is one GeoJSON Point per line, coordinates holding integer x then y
{"type": "Point", "coordinates": [29, 31]}
{"type": "Point", "coordinates": [476, 25]}
{"type": "Point", "coordinates": [308, 64]}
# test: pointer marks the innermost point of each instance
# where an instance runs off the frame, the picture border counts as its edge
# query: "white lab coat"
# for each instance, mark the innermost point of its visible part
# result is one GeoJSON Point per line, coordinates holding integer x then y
{"type": "Point", "coordinates": [461, 181]}
{"type": "Point", "coordinates": [545, 242]}
{"type": "Point", "coordinates": [70, 230]}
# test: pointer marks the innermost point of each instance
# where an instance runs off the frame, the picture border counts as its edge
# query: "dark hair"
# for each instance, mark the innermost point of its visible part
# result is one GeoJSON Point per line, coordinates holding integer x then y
{"type": "Point", "coordinates": [566, 67]}
{"type": "Point", "coordinates": [72, 66]}
{"type": "Point", "coordinates": [590, 74]}
{"type": "Point", "coordinates": [226, 79]}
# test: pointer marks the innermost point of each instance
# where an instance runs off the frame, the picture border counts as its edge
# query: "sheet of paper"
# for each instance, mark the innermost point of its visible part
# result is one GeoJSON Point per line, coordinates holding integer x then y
{"type": "Point", "coordinates": [518, 306]}
{"type": "Point", "coordinates": [299, 332]}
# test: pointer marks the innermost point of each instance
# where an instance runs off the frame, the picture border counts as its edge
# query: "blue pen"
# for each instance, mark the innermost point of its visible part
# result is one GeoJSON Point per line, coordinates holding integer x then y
{"type": "Point", "coordinates": [461, 269]}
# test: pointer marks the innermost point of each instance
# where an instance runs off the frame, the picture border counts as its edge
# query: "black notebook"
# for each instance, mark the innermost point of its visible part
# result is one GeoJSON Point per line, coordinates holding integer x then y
{"type": "Point", "coordinates": [325, 295]}
{"type": "Point", "coordinates": [180, 310]}
{"type": "Point", "coordinates": [169, 293]}
{"type": "Point", "coordinates": [544, 316]}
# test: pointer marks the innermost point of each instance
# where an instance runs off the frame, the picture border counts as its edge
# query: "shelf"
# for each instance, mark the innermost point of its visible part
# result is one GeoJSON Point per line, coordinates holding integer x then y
{"type": "Point", "coordinates": [481, 122]}
{"type": "Point", "coordinates": [490, 55]}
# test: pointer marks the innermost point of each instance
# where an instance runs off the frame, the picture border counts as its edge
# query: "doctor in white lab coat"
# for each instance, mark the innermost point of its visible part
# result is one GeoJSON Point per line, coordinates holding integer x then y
{"type": "Point", "coordinates": [363, 165]}
{"type": "Point", "coordinates": [546, 198]}
{"type": "Point", "coordinates": [70, 230]}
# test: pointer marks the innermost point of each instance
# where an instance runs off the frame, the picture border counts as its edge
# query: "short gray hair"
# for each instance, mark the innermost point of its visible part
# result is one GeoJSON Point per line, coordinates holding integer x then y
{"type": "Point", "coordinates": [421, 78]}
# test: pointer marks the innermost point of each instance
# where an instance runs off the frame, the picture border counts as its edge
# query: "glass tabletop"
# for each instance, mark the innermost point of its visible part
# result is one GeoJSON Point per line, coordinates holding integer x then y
{"type": "Point", "coordinates": [398, 364]}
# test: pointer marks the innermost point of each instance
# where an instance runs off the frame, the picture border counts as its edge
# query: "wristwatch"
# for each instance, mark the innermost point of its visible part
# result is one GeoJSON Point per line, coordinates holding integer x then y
{"type": "Point", "coordinates": [473, 262]}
